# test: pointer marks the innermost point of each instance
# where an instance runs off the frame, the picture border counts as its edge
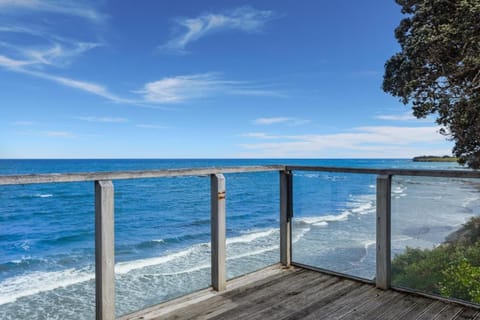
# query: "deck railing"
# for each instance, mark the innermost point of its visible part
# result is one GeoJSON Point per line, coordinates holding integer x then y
{"type": "Point", "coordinates": [105, 206]}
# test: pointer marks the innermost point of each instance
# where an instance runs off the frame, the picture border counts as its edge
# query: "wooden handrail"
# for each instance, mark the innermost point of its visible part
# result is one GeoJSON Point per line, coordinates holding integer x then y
{"type": "Point", "coordinates": [393, 172]}
{"type": "Point", "coordinates": [122, 175]}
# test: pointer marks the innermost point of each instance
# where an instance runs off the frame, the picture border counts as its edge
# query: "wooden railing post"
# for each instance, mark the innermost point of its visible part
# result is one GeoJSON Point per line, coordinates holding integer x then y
{"type": "Point", "coordinates": [218, 245]}
{"type": "Point", "coordinates": [104, 251]}
{"type": "Point", "coordinates": [384, 186]}
{"type": "Point", "coordinates": [286, 207]}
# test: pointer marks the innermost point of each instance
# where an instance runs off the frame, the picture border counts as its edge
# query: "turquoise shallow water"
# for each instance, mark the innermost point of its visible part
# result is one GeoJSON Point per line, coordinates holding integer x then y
{"type": "Point", "coordinates": [163, 228]}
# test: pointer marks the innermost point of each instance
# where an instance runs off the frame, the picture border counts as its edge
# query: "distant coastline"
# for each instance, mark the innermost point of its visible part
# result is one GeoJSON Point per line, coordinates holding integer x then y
{"type": "Point", "coordinates": [435, 159]}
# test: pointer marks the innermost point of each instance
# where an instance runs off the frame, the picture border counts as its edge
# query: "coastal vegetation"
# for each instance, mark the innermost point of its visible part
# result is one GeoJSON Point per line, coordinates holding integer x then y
{"type": "Point", "coordinates": [435, 159]}
{"type": "Point", "coordinates": [451, 269]}
{"type": "Point", "coordinates": [438, 69]}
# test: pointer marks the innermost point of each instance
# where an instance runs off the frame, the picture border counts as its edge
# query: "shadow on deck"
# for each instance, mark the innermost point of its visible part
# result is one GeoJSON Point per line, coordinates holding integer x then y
{"type": "Point", "coordinates": [296, 293]}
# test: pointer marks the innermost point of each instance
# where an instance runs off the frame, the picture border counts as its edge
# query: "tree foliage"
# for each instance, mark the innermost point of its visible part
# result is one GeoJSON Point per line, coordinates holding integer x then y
{"type": "Point", "coordinates": [452, 269]}
{"type": "Point", "coordinates": [438, 69]}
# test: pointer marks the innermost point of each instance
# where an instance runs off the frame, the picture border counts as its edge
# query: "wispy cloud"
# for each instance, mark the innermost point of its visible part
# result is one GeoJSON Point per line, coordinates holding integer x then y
{"type": "Point", "coordinates": [64, 7]}
{"type": "Point", "coordinates": [9, 63]}
{"type": "Point", "coordinates": [187, 87]}
{"type": "Point", "coordinates": [150, 126]}
{"type": "Point", "coordinates": [57, 54]}
{"type": "Point", "coordinates": [23, 123]}
{"type": "Point", "coordinates": [260, 135]}
{"type": "Point", "coordinates": [276, 120]}
{"type": "Point", "coordinates": [246, 19]}
{"type": "Point", "coordinates": [397, 117]}
{"type": "Point", "coordinates": [381, 141]}
{"type": "Point", "coordinates": [52, 49]}
{"type": "Point", "coordinates": [103, 119]}
{"type": "Point", "coordinates": [89, 87]}
{"type": "Point", "coordinates": [60, 134]}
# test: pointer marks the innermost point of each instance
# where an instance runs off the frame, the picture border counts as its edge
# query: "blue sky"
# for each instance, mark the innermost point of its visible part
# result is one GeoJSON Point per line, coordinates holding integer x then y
{"type": "Point", "coordinates": [203, 79]}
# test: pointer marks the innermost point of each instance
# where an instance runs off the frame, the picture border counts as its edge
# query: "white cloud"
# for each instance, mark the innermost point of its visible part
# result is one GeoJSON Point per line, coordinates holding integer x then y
{"type": "Point", "coordinates": [187, 87]}
{"type": "Point", "coordinates": [23, 123]}
{"type": "Point", "coordinates": [51, 49]}
{"type": "Point", "coordinates": [150, 126]}
{"type": "Point", "coordinates": [259, 135]}
{"type": "Point", "coordinates": [362, 142]}
{"type": "Point", "coordinates": [180, 88]}
{"type": "Point", "coordinates": [103, 119]}
{"type": "Point", "coordinates": [246, 19]}
{"type": "Point", "coordinates": [93, 88]}
{"type": "Point", "coordinates": [60, 134]}
{"type": "Point", "coordinates": [57, 54]}
{"type": "Point", "coordinates": [9, 63]}
{"type": "Point", "coordinates": [268, 121]}
{"type": "Point", "coordinates": [399, 117]}
{"type": "Point", "coordinates": [275, 120]}
{"type": "Point", "coordinates": [64, 7]}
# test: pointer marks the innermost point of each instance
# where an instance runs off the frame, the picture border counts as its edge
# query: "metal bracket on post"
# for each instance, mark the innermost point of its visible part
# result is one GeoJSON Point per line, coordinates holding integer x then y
{"type": "Point", "coordinates": [289, 196]}
{"type": "Point", "coordinates": [384, 186]}
{"type": "Point", "coordinates": [286, 214]}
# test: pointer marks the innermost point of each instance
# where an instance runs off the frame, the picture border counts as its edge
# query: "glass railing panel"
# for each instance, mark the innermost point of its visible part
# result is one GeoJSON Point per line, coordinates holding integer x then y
{"type": "Point", "coordinates": [334, 222]}
{"type": "Point", "coordinates": [47, 256]}
{"type": "Point", "coordinates": [436, 236]}
{"type": "Point", "coordinates": [252, 222]}
{"type": "Point", "coordinates": [162, 240]}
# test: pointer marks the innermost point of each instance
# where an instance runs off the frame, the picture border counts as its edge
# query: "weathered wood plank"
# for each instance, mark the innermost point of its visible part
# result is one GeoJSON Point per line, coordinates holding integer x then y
{"type": "Point", "coordinates": [448, 313]}
{"type": "Point", "coordinates": [393, 172]}
{"type": "Point", "coordinates": [299, 307]}
{"type": "Point", "coordinates": [384, 186]}
{"type": "Point", "coordinates": [116, 175]}
{"type": "Point", "coordinates": [431, 311]}
{"type": "Point", "coordinates": [356, 297]}
{"type": "Point", "coordinates": [373, 308]}
{"type": "Point", "coordinates": [92, 176]}
{"type": "Point", "coordinates": [467, 313]}
{"type": "Point", "coordinates": [245, 301]}
{"type": "Point", "coordinates": [293, 293]}
{"type": "Point", "coordinates": [256, 302]}
{"type": "Point", "coordinates": [104, 251]}
{"type": "Point", "coordinates": [266, 275]}
{"type": "Point", "coordinates": [218, 229]}
{"type": "Point", "coordinates": [221, 304]}
{"type": "Point", "coordinates": [396, 307]}
{"type": "Point", "coordinates": [419, 305]}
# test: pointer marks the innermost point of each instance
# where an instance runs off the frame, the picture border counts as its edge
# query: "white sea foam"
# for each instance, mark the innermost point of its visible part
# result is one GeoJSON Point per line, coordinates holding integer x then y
{"type": "Point", "coordinates": [185, 271]}
{"type": "Point", "coordinates": [299, 233]}
{"type": "Point", "coordinates": [35, 282]}
{"type": "Point", "coordinates": [366, 245]}
{"type": "Point", "coordinates": [249, 237]}
{"type": "Point", "coordinates": [399, 189]}
{"type": "Point", "coordinates": [47, 195]}
{"type": "Point", "coordinates": [127, 266]}
{"type": "Point", "coordinates": [253, 253]}
{"type": "Point", "coordinates": [364, 208]}
{"type": "Point", "coordinates": [320, 220]}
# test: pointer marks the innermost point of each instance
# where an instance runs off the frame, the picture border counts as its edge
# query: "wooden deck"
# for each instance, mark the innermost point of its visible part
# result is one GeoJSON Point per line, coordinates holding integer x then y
{"type": "Point", "coordinates": [295, 293]}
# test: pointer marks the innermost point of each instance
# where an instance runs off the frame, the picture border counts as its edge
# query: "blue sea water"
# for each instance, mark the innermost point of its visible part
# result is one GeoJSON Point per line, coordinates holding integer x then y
{"type": "Point", "coordinates": [162, 228]}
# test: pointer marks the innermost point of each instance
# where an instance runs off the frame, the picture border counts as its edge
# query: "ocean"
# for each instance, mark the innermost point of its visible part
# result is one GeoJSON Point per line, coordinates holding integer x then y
{"type": "Point", "coordinates": [162, 228]}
